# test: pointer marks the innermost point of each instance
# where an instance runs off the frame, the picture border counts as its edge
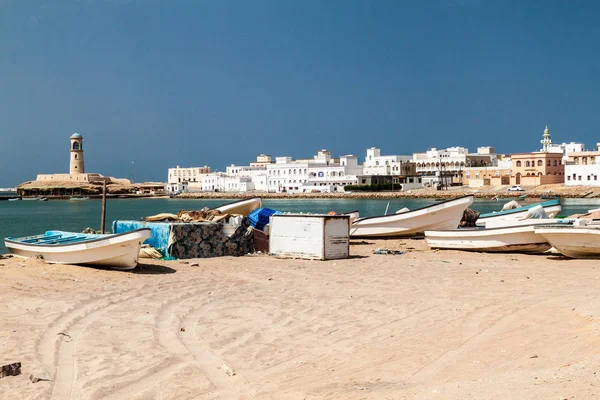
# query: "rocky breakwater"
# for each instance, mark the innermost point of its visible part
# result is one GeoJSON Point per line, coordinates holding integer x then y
{"type": "Point", "coordinates": [420, 193]}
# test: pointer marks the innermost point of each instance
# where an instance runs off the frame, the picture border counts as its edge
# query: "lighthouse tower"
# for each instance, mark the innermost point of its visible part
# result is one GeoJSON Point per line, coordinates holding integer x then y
{"type": "Point", "coordinates": [77, 166]}
{"type": "Point", "coordinates": [546, 140]}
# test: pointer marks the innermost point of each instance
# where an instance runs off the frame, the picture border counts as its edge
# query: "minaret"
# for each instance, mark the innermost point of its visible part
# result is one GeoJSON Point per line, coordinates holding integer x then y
{"type": "Point", "coordinates": [546, 140]}
{"type": "Point", "coordinates": [77, 166]}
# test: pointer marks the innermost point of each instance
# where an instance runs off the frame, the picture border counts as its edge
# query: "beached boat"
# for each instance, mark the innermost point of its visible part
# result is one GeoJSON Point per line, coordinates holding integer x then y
{"type": "Point", "coordinates": [118, 251]}
{"type": "Point", "coordinates": [551, 208]}
{"type": "Point", "coordinates": [443, 215]}
{"type": "Point", "coordinates": [354, 215]}
{"type": "Point", "coordinates": [575, 241]}
{"type": "Point", "coordinates": [79, 198]}
{"type": "Point", "coordinates": [43, 199]}
{"type": "Point", "coordinates": [521, 238]}
{"type": "Point", "coordinates": [242, 207]}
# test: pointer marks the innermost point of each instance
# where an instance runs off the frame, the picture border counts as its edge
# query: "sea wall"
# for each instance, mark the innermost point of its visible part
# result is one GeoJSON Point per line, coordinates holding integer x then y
{"type": "Point", "coordinates": [425, 194]}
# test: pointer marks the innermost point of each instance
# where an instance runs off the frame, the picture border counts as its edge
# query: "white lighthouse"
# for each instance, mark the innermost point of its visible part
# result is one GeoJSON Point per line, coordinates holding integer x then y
{"type": "Point", "coordinates": [77, 166]}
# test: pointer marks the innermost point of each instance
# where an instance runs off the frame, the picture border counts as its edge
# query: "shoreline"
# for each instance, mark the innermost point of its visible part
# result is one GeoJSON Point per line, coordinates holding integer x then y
{"type": "Point", "coordinates": [419, 193]}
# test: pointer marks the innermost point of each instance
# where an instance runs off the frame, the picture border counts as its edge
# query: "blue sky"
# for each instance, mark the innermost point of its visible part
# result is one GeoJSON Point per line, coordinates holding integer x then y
{"type": "Point", "coordinates": [218, 82]}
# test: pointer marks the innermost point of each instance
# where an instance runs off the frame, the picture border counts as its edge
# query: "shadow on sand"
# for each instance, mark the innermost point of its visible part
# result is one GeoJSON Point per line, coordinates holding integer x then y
{"type": "Point", "coordinates": [151, 269]}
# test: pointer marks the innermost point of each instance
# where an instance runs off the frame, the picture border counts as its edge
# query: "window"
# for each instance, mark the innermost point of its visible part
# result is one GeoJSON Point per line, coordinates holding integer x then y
{"type": "Point", "coordinates": [540, 163]}
{"type": "Point", "coordinates": [554, 163]}
{"type": "Point", "coordinates": [76, 146]}
{"type": "Point", "coordinates": [528, 164]}
{"type": "Point", "coordinates": [518, 163]}
{"type": "Point", "coordinates": [376, 162]}
{"type": "Point", "coordinates": [588, 177]}
{"type": "Point", "coordinates": [568, 178]}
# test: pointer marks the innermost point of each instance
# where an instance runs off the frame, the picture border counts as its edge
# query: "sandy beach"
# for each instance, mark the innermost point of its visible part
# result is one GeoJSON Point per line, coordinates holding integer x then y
{"type": "Point", "coordinates": [420, 325]}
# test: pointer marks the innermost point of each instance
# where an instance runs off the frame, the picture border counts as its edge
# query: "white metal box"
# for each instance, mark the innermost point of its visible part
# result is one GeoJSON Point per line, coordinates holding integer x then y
{"type": "Point", "coordinates": [318, 237]}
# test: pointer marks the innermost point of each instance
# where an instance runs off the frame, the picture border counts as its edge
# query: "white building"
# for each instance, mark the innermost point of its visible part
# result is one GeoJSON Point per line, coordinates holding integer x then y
{"type": "Point", "coordinates": [376, 164]}
{"type": "Point", "coordinates": [179, 178]}
{"type": "Point", "coordinates": [583, 168]}
{"type": "Point", "coordinates": [256, 172]}
{"type": "Point", "coordinates": [322, 173]}
{"type": "Point", "coordinates": [446, 166]}
{"type": "Point", "coordinates": [565, 148]}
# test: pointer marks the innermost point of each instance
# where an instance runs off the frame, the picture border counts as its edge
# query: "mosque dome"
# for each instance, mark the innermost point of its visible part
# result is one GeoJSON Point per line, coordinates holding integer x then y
{"type": "Point", "coordinates": [76, 136]}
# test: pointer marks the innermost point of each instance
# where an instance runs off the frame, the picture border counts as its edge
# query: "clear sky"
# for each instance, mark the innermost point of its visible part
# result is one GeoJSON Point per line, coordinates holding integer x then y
{"type": "Point", "coordinates": [201, 82]}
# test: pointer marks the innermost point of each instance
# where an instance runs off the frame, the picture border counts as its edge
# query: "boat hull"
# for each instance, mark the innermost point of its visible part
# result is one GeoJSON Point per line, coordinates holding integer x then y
{"type": "Point", "coordinates": [440, 216]}
{"type": "Point", "coordinates": [119, 251]}
{"type": "Point", "coordinates": [242, 207]}
{"type": "Point", "coordinates": [519, 239]}
{"type": "Point", "coordinates": [574, 242]}
{"type": "Point", "coordinates": [551, 208]}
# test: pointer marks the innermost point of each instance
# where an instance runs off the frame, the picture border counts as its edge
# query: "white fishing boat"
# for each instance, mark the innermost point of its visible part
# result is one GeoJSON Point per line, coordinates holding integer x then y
{"type": "Point", "coordinates": [575, 241]}
{"type": "Point", "coordinates": [118, 251]}
{"type": "Point", "coordinates": [521, 238]}
{"type": "Point", "coordinates": [354, 215]}
{"type": "Point", "coordinates": [442, 215]}
{"type": "Point", "coordinates": [79, 198]}
{"type": "Point", "coordinates": [242, 207]}
{"type": "Point", "coordinates": [551, 208]}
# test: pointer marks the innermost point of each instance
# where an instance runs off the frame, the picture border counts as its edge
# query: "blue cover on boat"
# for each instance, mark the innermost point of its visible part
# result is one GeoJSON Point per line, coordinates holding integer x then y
{"type": "Point", "coordinates": [260, 217]}
{"type": "Point", "coordinates": [160, 232]}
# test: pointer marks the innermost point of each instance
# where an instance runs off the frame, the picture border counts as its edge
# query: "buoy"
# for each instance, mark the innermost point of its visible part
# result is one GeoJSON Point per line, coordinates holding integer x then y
{"type": "Point", "coordinates": [332, 213]}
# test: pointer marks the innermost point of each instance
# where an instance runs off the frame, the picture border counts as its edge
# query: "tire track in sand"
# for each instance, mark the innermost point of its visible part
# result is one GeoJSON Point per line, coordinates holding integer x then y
{"type": "Point", "coordinates": [66, 367]}
{"type": "Point", "coordinates": [228, 387]}
{"type": "Point", "coordinates": [49, 347]}
{"type": "Point", "coordinates": [165, 327]}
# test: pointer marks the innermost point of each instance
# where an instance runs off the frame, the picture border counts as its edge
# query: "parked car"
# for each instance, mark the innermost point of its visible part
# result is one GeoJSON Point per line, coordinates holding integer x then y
{"type": "Point", "coordinates": [515, 188]}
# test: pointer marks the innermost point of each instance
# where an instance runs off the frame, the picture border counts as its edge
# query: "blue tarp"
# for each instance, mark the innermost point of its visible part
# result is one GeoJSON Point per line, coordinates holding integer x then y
{"type": "Point", "coordinates": [160, 232]}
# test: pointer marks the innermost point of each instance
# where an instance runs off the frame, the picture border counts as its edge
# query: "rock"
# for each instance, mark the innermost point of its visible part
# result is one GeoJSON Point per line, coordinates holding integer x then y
{"type": "Point", "coordinates": [228, 370]}
{"type": "Point", "coordinates": [35, 379]}
{"type": "Point", "coordinates": [194, 265]}
{"type": "Point", "coordinates": [533, 356]}
{"type": "Point", "coordinates": [13, 369]}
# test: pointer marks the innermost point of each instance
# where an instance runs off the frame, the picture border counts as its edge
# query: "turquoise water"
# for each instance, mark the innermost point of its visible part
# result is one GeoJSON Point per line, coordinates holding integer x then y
{"type": "Point", "coordinates": [21, 218]}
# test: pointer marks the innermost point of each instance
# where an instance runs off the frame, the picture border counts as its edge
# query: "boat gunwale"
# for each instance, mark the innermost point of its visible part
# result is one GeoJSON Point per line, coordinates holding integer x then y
{"type": "Point", "coordinates": [578, 229]}
{"type": "Point", "coordinates": [235, 202]}
{"type": "Point", "coordinates": [480, 229]}
{"type": "Point", "coordinates": [108, 236]}
{"type": "Point", "coordinates": [415, 210]}
{"type": "Point", "coordinates": [544, 204]}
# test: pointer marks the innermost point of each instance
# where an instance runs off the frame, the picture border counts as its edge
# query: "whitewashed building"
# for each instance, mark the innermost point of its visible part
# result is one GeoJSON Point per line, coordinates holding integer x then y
{"type": "Point", "coordinates": [376, 164]}
{"type": "Point", "coordinates": [321, 173]}
{"type": "Point", "coordinates": [257, 174]}
{"type": "Point", "coordinates": [179, 178]}
{"type": "Point", "coordinates": [582, 168]}
{"type": "Point", "coordinates": [446, 166]}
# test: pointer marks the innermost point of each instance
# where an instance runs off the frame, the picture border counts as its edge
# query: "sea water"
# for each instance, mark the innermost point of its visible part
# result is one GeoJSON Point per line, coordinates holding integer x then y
{"type": "Point", "coordinates": [31, 217]}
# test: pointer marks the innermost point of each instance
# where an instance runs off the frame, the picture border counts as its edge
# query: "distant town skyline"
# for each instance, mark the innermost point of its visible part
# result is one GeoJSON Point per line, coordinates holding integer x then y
{"type": "Point", "coordinates": [160, 84]}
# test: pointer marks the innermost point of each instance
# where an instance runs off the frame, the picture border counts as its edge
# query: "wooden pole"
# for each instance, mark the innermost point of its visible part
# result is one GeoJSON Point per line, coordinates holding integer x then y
{"type": "Point", "coordinates": [103, 207]}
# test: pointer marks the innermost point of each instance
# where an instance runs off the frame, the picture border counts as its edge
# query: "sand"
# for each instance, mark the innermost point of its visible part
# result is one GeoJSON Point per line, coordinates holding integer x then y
{"type": "Point", "coordinates": [420, 325]}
